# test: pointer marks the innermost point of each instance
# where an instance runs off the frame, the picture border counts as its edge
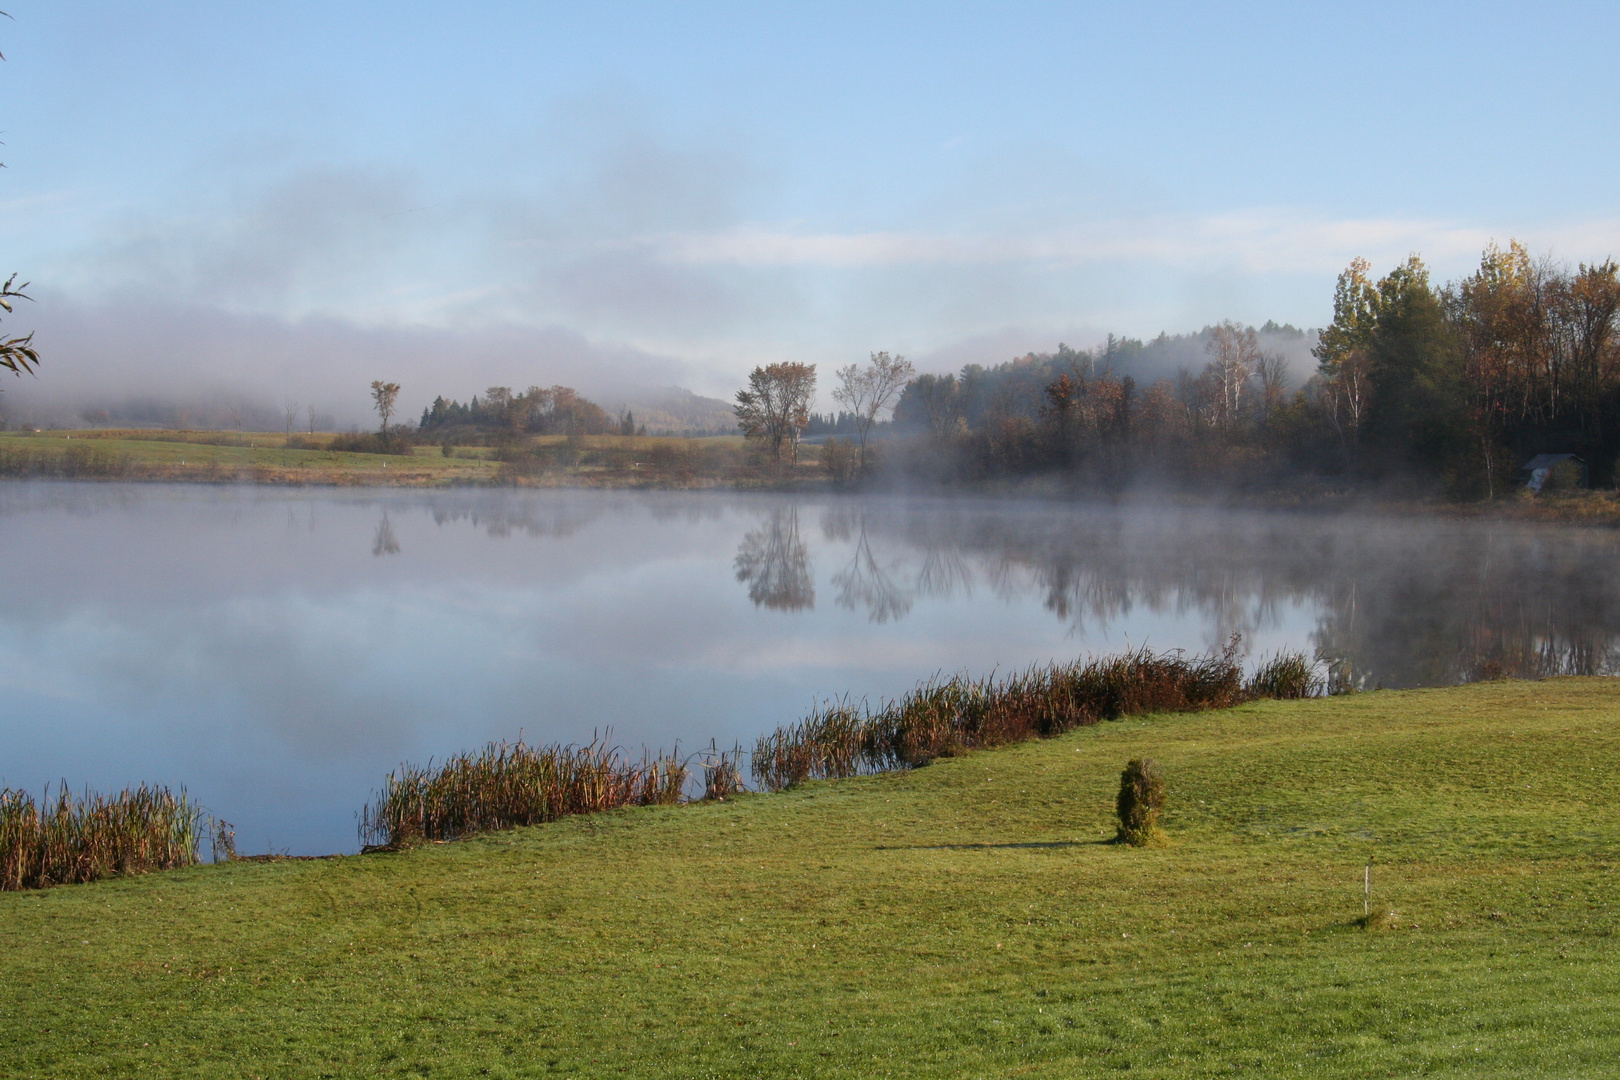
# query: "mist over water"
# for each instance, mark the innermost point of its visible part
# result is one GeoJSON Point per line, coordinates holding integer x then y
{"type": "Point", "coordinates": [277, 652]}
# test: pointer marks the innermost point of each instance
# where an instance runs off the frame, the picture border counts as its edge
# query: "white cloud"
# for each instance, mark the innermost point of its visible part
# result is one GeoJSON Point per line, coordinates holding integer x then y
{"type": "Point", "coordinates": [606, 251]}
{"type": "Point", "coordinates": [1262, 241]}
{"type": "Point", "coordinates": [757, 246]}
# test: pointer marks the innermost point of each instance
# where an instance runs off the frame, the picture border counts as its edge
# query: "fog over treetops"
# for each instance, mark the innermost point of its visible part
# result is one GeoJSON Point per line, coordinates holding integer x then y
{"type": "Point", "coordinates": [263, 207]}
{"type": "Point", "coordinates": [123, 365]}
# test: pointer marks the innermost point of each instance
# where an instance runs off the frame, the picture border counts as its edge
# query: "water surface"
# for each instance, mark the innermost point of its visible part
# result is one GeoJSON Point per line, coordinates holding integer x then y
{"type": "Point", "coordinates": [278, 651]}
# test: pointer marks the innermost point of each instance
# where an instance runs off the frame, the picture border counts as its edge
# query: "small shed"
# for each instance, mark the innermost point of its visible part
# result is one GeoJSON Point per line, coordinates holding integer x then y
{"type": "Point", "coordinates": [1539, 470]}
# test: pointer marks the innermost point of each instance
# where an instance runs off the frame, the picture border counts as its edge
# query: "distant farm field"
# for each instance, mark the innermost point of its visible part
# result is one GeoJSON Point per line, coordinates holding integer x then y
{"type": "Point", "coordinates": [964, 919]}
{"type": "Point", "coordinates": [258, 457]}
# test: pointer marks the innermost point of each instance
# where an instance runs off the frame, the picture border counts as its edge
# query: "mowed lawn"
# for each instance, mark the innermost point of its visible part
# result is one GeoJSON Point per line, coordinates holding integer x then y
{"type": "Point", "coordinates": [965, 919]}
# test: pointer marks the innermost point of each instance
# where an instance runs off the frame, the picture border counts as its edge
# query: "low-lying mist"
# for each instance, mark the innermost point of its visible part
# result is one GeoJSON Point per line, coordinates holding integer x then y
{"type": "Point", "coordinates": [278, 651]}
{"type": "Point", "coordinates": [206, 367]}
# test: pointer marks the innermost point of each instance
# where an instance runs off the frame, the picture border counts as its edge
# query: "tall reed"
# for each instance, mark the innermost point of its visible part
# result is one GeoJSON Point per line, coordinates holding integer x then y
{"type": "Point", "coordinates": [947, 716]}
{"type": "Point", "coordinates": [506, 785]}
{"type": "Point", "coordinates": [828, 744]}
{"type": "Point", "coordinates": [722, 778]}
{"type": "Point", "coordinates": [71, 840]}
{"type": "Point", "coordinates": [1287, 676]}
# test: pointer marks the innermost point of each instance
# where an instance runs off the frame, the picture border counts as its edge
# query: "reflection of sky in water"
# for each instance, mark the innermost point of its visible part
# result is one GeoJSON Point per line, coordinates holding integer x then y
{"type": "Point", "coordinates": [278, 652]}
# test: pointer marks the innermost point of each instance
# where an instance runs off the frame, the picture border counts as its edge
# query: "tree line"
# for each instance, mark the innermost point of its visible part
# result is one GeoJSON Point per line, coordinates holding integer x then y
{"type": "Point", "coordinates": [774, 411]}
{"type": "Point", "coordinates": [556, 410]}
{"type": "Point", "coordinates": [1516, 359]}
{"type": "Point", "coordinates": [1448, 388]}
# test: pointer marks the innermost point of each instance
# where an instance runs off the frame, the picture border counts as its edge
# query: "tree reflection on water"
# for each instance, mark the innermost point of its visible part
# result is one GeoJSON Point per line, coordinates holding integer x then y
{"type": "Point", "coordinates": [385, 542]}
{"type": "Point", "coordinates": [865, 582]}
{"type": "Point", "coordinates": [1398, 601]}
{"type": "Point", "coordinates": [774, 563]}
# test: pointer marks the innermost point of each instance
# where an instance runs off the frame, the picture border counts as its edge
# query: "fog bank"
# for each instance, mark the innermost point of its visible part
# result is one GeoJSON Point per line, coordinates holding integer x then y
{"type": "Point", "coordinates": [114, 352]}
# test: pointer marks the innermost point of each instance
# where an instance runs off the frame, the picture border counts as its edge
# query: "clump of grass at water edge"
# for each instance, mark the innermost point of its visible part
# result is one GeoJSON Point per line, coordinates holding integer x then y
{"type": "Point", "coordinates": [506, 785]}
{"type": "Point", "coordinates": [949, 716]}
{"type": "Point", "coordinates": [72, 840]}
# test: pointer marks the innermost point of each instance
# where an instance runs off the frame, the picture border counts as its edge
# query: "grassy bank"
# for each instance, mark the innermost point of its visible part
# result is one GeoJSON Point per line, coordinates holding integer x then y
{"type": "Point", "coordinates": [260, 458]}
{"type": "Point", "coordinates": [960, 919]}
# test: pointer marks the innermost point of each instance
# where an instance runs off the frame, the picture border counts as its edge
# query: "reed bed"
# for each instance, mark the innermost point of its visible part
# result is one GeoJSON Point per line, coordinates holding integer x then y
{"type": "Point", "coordinates": [948, 716]}
{"type": "Point", "coordinates": [71, 840]}
{"type": "Point", "coordinates": [510, 784]}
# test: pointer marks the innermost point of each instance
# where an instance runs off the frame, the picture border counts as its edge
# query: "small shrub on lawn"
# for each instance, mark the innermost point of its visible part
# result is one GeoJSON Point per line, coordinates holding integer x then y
{"type": "Point", "coordinates": [1141, 801]}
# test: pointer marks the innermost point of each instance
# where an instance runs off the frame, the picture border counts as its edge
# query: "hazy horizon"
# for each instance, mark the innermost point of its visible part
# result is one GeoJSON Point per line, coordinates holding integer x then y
{"type": "Point", "coordinates": [288, 204]}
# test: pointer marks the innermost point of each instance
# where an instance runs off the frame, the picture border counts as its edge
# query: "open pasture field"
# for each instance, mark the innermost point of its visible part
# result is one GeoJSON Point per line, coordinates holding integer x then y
{"type": "Point", "coordinates": [273, 458]}
{"type": "Point", "coordinates": [228, 457]}
{"type": "Point", "coordinates": [965, 919]}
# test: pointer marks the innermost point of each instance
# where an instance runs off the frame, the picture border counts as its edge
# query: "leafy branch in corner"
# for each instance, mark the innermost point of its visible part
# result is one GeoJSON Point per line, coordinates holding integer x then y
{"type": "Point", "coordinates": [18, 354]}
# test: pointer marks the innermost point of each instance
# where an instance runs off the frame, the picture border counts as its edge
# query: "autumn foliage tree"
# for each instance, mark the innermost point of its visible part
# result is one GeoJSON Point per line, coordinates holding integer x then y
{"type": "Point", "coordinates": [1425, 387]}
{"type": "Point", "coordinates": [1342, 351]}
{"type": "Point", "coordinates": [507, 414]}
{"type": "Point", "coordinates": [776, 407]}
{"type": "Point", "coordinates": [383, 397]}
{"type": "Point", "coordinates": [1539, 354]}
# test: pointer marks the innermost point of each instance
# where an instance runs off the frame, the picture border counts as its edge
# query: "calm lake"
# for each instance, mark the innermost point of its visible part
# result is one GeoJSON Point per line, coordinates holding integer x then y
{"type": "Point", "coordinates": [277, 652]}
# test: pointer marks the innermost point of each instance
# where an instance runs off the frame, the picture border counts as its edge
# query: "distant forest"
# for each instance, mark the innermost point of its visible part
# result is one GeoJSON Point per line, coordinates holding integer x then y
{"type": "Point", "coordinates": [981, 395]}
{"type": "Point", "coordinates": [1450, 387]}
{"type": "Point", "coordinates": [560, 410]}
{"type": "Point", "coordinates": [556, 410]}
{"type": "Point", "coordinates": [823, 424]}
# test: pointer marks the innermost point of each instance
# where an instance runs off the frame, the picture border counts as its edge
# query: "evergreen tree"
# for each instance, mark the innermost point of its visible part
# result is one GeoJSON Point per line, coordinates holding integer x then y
{"type": "Point", "coordinates": [1415, 415]}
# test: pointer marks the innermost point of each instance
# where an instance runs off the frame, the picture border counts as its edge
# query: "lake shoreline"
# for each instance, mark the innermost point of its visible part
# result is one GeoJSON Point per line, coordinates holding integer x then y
{"type": "Point", "coordinates": [975, 908]}
{"type": "Point", "coordinates": [263, 640]}
{"type": "Point", "coordinates": [1593, 509]}
{"type": "Point", "coordinates": [671, 464]}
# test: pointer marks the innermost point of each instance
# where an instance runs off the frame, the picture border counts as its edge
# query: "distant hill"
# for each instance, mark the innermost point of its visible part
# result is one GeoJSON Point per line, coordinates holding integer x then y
{"type": "Point", "coordinates": [672, 410]}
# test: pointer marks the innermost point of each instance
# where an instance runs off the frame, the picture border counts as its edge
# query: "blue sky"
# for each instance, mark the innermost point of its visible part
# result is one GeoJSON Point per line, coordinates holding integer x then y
{"type": "Point", "coordinates": [289, 199]}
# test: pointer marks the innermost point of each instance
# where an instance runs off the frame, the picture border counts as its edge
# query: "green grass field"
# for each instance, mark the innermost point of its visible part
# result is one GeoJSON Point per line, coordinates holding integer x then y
{"type": "Point", "coordinates": [266, 458]}
{"type": "Point", "coordinates": [965, 919]}
{"type": "Point", "coordinates": [210, 457]}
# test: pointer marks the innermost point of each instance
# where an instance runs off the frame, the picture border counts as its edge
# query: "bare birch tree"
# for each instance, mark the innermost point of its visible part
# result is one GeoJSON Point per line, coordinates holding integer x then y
{"type": "Point", "coordinates": [1236, 353]}
{"type": "Point", "coordinates": [868, 391]}
{"type": "Point", "coordinates": [1343, 348]}
{"type": "Point", "coordinates": [1273, 373]}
